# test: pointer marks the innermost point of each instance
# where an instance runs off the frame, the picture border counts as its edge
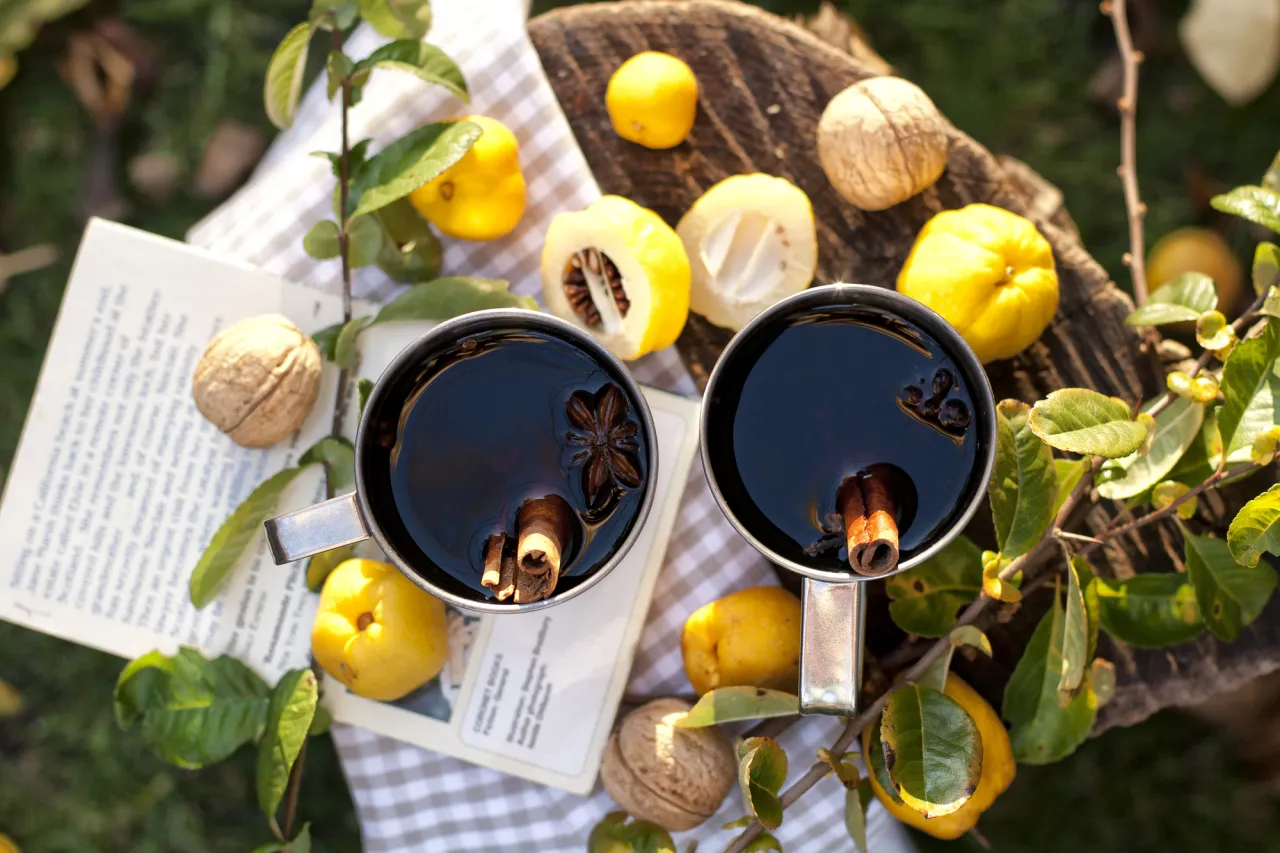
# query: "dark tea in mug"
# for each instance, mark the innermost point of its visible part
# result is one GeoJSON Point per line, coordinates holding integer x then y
{"type": "Point", "coordinates": [817, 396]}
{"type": "Point", "coordinates": [496, 423]}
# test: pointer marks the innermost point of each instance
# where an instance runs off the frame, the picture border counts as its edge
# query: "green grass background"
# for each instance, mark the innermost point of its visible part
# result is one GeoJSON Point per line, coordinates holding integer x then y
{"type": "Point", "coordinates": [1012, 73]}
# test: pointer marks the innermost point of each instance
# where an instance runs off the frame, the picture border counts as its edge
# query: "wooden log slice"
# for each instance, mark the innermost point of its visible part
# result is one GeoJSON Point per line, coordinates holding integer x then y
{"type": "Point", "coordinates": [763, 85]}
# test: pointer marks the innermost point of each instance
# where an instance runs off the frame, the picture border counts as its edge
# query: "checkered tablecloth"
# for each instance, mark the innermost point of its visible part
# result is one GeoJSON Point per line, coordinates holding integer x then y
{"type": "Point", "coordinates": [409, 798]}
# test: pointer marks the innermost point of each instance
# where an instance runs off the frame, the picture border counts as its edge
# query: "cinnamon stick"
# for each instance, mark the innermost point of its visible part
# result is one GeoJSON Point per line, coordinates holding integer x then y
{"type": "Point", "coordinates": [543, 526]}
{"type": "Point", "coordinates": [871, 531]}
{"type": "Point", "coordinates": [499, 567]}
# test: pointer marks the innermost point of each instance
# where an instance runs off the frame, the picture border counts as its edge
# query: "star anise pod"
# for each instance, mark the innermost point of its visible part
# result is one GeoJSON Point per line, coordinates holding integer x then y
{"type": "Point", "coordinates": [609, 444]}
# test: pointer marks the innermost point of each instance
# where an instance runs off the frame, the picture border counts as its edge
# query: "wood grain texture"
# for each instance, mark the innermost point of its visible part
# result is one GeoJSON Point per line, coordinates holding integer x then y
{"type": "Point", "coordinates": [764, 83]}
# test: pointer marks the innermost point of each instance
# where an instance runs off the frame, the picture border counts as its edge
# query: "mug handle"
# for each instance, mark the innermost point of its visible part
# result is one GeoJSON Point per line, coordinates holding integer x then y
{"type": "Point", "coordinates": [831, 647]}
{"type": "Point", "coordinates": [319, 527]}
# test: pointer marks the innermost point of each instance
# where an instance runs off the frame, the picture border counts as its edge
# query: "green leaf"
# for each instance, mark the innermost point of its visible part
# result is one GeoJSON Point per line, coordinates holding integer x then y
{"type": "Point", "coordinates": [855, 818]}
{"type": "Point", "coordinates": [338, 67]}
{"type": "Point", "coordinates": [301, 843]}
{"type": "Point", "coordinates": [333, 14]}
{"type": "Point", "coordinates": [451, 297]}
{"type": "Point", "coordinates": [1182, 300]}
{"type": "Point", "coordinates": [424, 61]}
{"type": "Point", "coordinates": [326, 339]}
{"type": "Point", "coordinates": [876, 765]}
{"type": "Point", "coordinates": [1069, 473]}
{"type": "Point", "coordinates": [1177, 427]}
{"type": "Point", "coordinates": [1271, 305]}
{"type": "Point", "coordinates": [1150, 611]}
{"type": "Point", "coordinates": [364, 387]}
{"type": "Point", "coordinates": [355, 159]}
{"type": "Point", "coordinates": [345, 352]}
{"type": "Point", "coordinates": [230, 540]}
{"type": "Point", "coordinates": [1079, 420]}
{"type": "Point", "coordinates": [284, 76]}
{"type": "Point", "coordinates": [1256, 528]}
{"type": "Point", "coordinates": [1256, 204]}
{"type": "Point", "coordinates": [365, 239]}
{"type": "Point", "coordinates": [189, 710]}
{"type": "Point", "coordinates": [398, 19]}
{"type": "Point", "coordinates": [932, 749]}
{"type": "Point", "coordinates": [293, 705]}
{"type": "Point", "coordinates": [728, 704]}
{"type": "Point", "coordinates": [935, 674]}
{"type": "Point", "coordinates": [1229, 596]}
{"type": "Point", "coordinates": [1043, 729]}
{"type": "Point", "coordinates": [411, 161]}
{"type": "Point", "coordinates": [1086, 578]}
{"type": "Point", "coordinates": [1102, 680]}
{"type": "Point", "coordinates": [1075, 634]}
{"type": "Point", "coordinates": [321, 722]}
{"type": "Point", "coordinates": [971, 635]}
{"type": "Point", "coordinates": [1024, 482]}
{"type": "Point", "coordinates": [1251, 390]}
{"type": "Point", "coordinates": [338, 456]}
{"type": "Point", "coordinates": [762, 768]}
{"type": "Point", "coordinates": [412, 251]}
{"type": "Point", "coordinates": [924, 599]}
{"type": "Point", "coordinates": [762, 843]}
{"type": "Point", "coordinates": [321, 241]}
{"type": "Point", "coordinates": [1266, 267]}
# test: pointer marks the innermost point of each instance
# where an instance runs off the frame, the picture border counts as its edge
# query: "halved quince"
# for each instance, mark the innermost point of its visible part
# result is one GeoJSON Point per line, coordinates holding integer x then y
{"type": "Point", "coordinates": [751, 241]}
{"type": "Point", "coordinates": [619, 272]}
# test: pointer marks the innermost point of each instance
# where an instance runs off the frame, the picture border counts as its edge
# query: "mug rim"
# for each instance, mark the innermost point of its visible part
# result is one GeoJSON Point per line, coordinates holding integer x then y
{"type": "Point", "coordinates": [507, 319]}
{"type": "Point", "coordinates": [902, 306]}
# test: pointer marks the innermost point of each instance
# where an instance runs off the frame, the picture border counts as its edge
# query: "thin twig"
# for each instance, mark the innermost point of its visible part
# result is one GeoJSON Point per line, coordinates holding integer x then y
{"type": "Point", "coordinates": [860, 722]}
{"type": "Point", "coordinates": [1166, 511]}
{"type": "Point", "coordinates": [295, 775]}
{"type": "Point", "coordinates": [1128, 106]}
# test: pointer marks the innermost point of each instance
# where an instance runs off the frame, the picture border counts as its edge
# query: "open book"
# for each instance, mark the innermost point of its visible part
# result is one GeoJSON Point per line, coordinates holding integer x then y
{"type": "Point", "coordinates": [119, 483]}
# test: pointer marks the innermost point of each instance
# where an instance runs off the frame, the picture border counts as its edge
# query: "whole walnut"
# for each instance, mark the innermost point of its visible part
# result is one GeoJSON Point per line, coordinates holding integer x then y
{"type": "Point", "coordinates": [676, 778]}
{"type": "Point", "coordinates": [258, 380]}
{"type": "Point", "coordinates": [881, 141]}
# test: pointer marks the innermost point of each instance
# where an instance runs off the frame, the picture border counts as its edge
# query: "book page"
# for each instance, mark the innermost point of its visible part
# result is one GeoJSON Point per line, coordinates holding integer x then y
{"type": "Point", "coordinates": [119, 482]}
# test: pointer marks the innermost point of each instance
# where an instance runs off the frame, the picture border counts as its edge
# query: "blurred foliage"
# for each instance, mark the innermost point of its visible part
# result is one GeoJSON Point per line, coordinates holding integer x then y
{"type": "Point", "coordinates": [1012, 73]}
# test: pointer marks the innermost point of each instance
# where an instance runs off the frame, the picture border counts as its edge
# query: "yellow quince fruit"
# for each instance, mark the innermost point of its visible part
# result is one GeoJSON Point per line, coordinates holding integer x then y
{"type": "Point", "coordinates": [749, 638]}
{"type": "Point", "coordinates": [618, 272]}
{"type": "Point", "coordinates": [989, 273]}
{"type": "Point", "coordinates": [652, 99]}
{"type": "Point", "coordinates": [998, 769]}
{"type": "Point", "coordinates": [1197, 250]}
{"type": "Point", "coordinates": [377, 632]}
{"type": "Point", "coordinates": [8, 845]}
{"type": "Point", "coordinates": [482, 196]}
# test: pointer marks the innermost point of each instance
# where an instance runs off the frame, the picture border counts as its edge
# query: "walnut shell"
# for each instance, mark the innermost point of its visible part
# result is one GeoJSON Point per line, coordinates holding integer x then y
{"type": "Point", "coordinates": [258, 380]}
{"type": "Point", "coordinates": [676, 778]}
{"type": "Point", "coordinates": [881, 141]}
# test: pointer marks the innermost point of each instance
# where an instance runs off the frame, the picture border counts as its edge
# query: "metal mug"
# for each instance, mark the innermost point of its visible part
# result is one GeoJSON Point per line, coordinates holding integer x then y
{"type": "Point", "coordinates": [834, 603]}
{"type": "Point", "coordinates": [367, 513]}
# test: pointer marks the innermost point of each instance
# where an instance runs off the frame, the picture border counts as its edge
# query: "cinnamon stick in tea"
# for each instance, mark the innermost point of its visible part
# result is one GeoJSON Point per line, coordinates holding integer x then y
{"type": "Point", "coordinates": [543, 526]}
{"type": "Point", "coordinates": [871, 531]}
{"type": "Point", "coordinates": [499, 567]}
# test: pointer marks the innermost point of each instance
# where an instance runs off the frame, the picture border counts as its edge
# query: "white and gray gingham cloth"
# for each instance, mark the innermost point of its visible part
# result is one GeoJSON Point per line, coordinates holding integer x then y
{"type": "Point", "coordinates": [409, 798]}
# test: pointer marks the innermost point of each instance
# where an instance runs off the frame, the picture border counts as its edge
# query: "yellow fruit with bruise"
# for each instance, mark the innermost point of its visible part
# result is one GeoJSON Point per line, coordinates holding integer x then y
{"type": "Point", "coordinates": [989, 273]}
{"type": "Point", "coordinates": [377, 632]}
{"type": "Point", "coordinates": [998, 769]}
{"type": "Point", "coordinates": [749, 638]}
{"type": "Point", "coordinates": [652, 99]}
{"type": "Point", "coordinates": [482, 196]}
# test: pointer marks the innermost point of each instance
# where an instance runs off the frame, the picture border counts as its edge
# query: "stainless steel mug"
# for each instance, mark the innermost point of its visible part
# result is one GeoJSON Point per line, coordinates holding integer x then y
{"type": "Point", "coordinates": [369, 511]}
{"type": "Point", "coordinates": [834, 603]}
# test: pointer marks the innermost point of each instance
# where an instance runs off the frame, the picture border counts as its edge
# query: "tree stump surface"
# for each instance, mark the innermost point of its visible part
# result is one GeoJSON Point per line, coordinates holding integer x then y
{"type": "Point", "coordinates": [763, 83]}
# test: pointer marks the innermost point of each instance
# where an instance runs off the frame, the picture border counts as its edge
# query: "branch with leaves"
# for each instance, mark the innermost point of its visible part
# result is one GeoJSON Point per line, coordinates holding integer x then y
{"type": "Point", "coordinates": [1213, 427]}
